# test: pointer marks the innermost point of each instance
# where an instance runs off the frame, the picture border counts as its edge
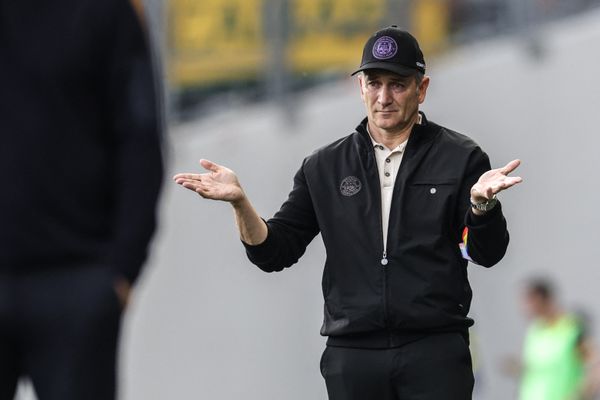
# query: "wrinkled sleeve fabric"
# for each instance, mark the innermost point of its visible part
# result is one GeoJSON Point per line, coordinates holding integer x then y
{"type": "Point", "coordinates": [290, 230]}
{"type": "Point", "coordinates": [484, 238]}
{"type": "Point", "coordinates": [132, 98]}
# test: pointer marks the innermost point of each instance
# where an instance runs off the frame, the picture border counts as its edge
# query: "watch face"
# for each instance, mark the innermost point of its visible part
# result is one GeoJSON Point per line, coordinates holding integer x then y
{"type": "Point", "coordinates": [487, 205]}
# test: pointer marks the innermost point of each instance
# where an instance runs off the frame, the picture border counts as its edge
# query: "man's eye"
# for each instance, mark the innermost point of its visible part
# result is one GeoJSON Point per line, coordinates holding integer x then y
{"type": "Point", "coordinates": [397, 86]}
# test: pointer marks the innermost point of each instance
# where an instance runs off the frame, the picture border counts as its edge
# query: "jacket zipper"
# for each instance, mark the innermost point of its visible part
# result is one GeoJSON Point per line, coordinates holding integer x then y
{"type": "Point", "coordinates": [384, 260]}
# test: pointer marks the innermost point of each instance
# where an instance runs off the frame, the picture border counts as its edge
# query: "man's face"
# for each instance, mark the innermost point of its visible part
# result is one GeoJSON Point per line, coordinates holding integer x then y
{"type": "Point", "coordinates": [392, 100]}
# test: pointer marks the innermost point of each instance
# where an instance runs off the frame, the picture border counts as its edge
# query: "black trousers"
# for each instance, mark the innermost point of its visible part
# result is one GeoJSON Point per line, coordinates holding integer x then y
{"type": "Point", "coordinates": [436, 367]}
{"type": "Point", "coordinates": [60, 328]}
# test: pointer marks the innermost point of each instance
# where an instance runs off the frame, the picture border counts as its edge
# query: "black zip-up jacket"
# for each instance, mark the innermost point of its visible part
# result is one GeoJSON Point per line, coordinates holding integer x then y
{"type": "Point", "coordinates": [423, 288]}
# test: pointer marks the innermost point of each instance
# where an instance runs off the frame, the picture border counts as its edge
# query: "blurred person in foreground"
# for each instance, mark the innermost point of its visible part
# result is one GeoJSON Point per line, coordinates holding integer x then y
{"type": "Point", "coordinates": [80, 164]}
{"type": "Point", "coordinates": [559, 360]}
{"type": "Point", "coordinates": [392, 201]}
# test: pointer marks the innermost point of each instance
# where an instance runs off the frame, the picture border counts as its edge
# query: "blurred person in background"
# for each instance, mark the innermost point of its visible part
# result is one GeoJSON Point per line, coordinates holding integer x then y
{"type": "Point", "coordinates": [559, 360]}
{"type": "Point", "coordinates": [81, 168]}
{"type": "Point", "coordinates": [392, 202]}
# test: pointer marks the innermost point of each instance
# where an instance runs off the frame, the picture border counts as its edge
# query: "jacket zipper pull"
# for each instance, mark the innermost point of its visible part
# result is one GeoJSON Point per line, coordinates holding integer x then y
{"type": "Point", "coordinates": [384, 260]}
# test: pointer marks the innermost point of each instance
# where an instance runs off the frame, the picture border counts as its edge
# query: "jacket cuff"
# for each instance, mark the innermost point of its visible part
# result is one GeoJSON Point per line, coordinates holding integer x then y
{"type": "Point", "coordinates": [472, 220]}
{"type": "Point", "coordinates": [263, 252]}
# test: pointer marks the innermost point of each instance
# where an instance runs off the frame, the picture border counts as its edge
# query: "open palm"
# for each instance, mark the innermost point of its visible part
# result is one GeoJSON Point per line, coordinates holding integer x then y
{"type": "Point", "coordinates": [220, 183]}
{"type": "Point", "coordinates": [494, 181]}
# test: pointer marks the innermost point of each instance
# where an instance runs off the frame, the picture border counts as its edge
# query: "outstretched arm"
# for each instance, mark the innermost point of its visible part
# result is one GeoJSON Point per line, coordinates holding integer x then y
{"type": "Point", "coordinates": [221, 183]}
{"type": "Point", "coordinates": [484, 237]}
{"type": "Point", "coordinates": [271, 246]}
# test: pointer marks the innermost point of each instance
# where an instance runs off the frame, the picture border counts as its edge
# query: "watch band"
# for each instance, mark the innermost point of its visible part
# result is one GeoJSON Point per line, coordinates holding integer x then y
{"type": "Point", "coordinates": [486, 205]}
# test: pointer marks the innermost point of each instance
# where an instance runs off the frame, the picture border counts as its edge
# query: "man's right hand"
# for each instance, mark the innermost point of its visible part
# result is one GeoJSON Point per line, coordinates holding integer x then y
{"type": "Point", "coordinates": [220, 183]}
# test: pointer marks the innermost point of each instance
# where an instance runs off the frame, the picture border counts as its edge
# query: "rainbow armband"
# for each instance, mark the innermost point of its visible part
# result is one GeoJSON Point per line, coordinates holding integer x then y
{"type": "Point", "coordinates": [464, 245]}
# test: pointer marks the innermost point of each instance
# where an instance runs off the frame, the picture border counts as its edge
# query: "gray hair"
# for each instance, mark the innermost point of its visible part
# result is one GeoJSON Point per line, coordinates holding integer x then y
{"type": "Point", "coordinates": [418, 77]}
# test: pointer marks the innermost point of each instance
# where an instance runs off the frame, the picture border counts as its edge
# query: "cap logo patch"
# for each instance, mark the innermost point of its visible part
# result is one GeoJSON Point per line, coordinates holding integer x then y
{"type": "Point", "coordinates": [350, 186]}
{"type": "Point", "coordinates": [385, 47]}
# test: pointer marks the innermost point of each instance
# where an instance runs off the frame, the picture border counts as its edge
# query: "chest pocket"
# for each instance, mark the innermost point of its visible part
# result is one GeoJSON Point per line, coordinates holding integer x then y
{"type": "Point", "coordinates": [430, 204]}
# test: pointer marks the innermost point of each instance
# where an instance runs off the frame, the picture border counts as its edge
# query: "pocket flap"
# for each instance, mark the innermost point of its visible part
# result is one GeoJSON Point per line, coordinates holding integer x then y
{"type": "Point", "coordinates": [434, 182]}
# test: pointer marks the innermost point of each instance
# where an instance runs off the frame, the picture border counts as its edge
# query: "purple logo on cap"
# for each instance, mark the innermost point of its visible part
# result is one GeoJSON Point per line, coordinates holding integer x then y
{"type": "Point", "coordinates": [385, 47]}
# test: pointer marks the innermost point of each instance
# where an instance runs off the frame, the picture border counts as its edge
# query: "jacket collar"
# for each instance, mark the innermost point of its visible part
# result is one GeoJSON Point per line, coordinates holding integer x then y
{"type": "Point", "coordinates": [421, 134]}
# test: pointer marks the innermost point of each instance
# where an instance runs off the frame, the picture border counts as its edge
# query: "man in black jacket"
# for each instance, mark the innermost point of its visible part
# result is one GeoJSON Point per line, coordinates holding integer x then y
{"type": "Point", "coordinates": [402, 204]}
{"type": "Point", "coordinates": [80, 164]}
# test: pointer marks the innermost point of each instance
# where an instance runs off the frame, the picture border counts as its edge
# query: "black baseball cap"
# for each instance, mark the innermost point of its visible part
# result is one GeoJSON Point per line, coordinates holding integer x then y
{"type": "Point", "coordinates": [394, 50]}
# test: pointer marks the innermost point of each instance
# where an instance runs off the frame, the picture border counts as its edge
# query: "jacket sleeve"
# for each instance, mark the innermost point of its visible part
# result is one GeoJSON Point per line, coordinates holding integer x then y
{"type": "Point", "coordinates": [136, 125]}
{"type": "Point", "coordinates": [484, 238]}
{"type": "Point", "coordinates": [289, 232]}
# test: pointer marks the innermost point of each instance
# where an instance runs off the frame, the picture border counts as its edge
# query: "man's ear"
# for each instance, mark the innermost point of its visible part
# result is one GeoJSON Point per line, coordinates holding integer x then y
{"type": "Point", "coordinates": [361, 84]}
{"type": "Point", "coordinates": [423, 89]}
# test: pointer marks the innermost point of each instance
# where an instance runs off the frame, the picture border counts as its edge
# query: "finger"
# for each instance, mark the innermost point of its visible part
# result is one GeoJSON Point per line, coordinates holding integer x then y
{"type": "Point", "coordinates": [514, 179]}
{"type": "Point", "coordinates": [506, 183]}
{"type": "Point", "coordinates": [510, 167]}
{"type": "Point", "coordinates": [181, 181]}
{"type": "Point", "coordinates": [206, 192]}
{"type": "Point", "coordinates": [190, 185]}
{"type": "Point", "coordinates": [187, 175]}
{"type": "Point", "coordinates": [209, 165]}
{"type": "Point", "coordinates": [194, 184]}
{"type": "Point", "coordinates": [511, 181]}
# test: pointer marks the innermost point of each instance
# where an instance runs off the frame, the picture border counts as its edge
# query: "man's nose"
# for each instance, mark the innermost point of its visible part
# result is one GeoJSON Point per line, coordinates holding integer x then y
{"type": "Point", "coordinates": [385, 96]}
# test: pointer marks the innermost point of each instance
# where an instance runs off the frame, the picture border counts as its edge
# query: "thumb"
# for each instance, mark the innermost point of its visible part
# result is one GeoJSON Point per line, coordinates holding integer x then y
{"type": "Point", "coordinates": [209, 165]}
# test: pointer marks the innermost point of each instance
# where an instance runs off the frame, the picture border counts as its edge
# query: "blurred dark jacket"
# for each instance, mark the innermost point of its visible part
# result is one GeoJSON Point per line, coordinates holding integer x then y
{"type": "Point", "coordinates": [80, 158]}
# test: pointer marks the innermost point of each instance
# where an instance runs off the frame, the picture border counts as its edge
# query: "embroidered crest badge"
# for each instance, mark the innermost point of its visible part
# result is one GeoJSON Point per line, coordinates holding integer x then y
{"type": "Point", "coordinates": [385, 47]}
{"type": "Point", "coordinates": [350, 186]}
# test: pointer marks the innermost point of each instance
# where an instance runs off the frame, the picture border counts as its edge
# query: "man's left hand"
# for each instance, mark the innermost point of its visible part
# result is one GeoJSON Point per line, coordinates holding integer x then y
{"type": "Point", "coordinates": [495, 181]}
